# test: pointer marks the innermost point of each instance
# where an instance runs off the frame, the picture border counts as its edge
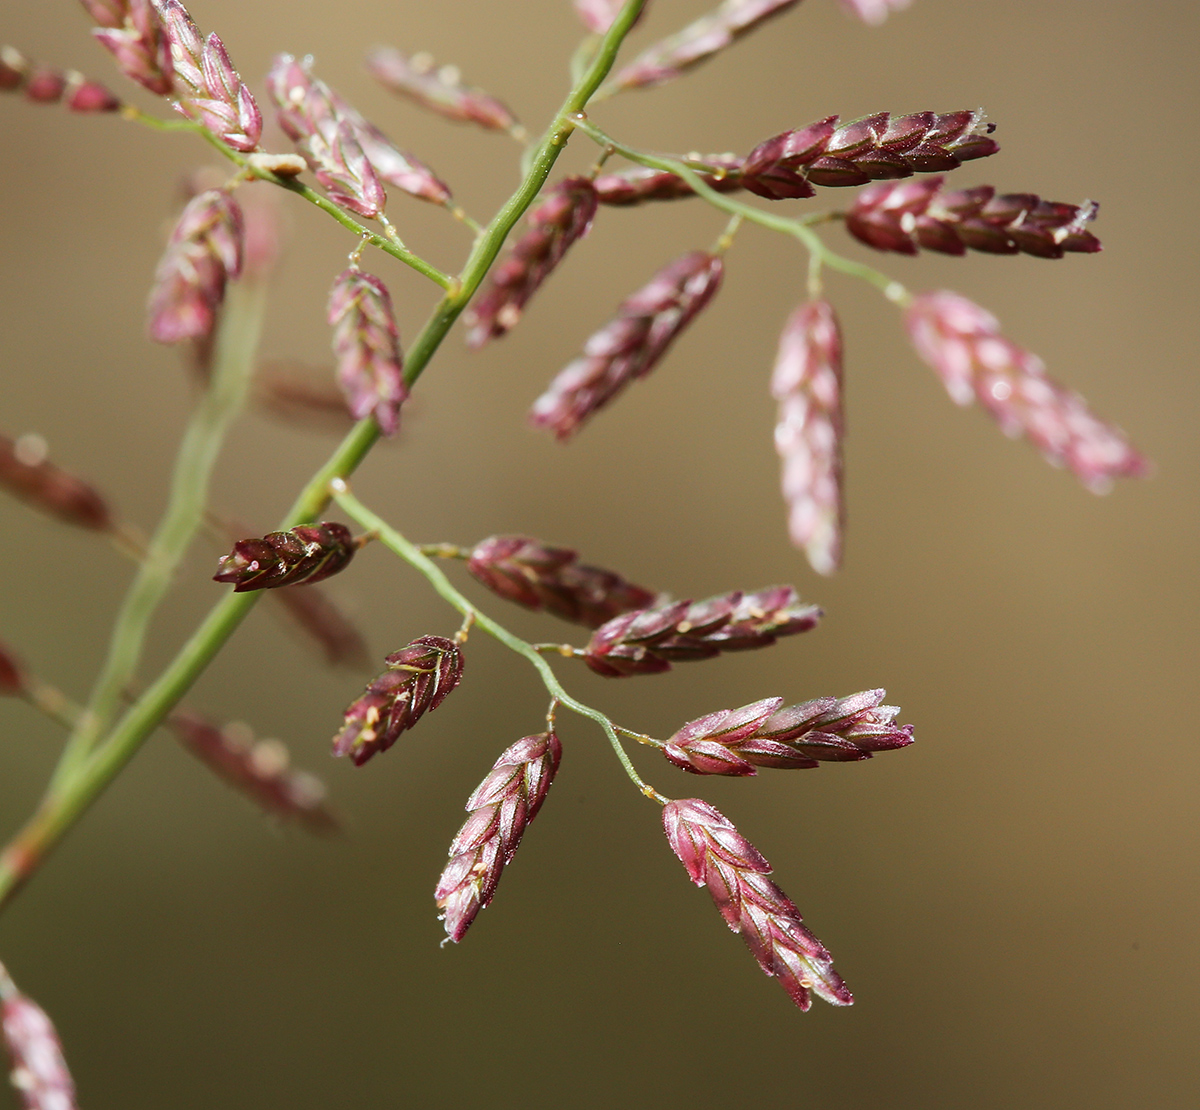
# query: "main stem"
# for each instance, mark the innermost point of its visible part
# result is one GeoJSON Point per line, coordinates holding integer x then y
{"type": "Point", "coordinates": [65, 802]}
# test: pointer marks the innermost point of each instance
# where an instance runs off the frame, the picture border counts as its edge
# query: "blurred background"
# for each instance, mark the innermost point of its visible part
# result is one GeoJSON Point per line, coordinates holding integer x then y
{"type": "Point", "coordinates": [1013, 899]}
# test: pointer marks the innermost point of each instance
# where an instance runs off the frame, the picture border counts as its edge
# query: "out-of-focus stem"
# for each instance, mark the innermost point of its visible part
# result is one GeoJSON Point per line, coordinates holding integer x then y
{"type": "Point", "coordinates": [413, 555]}
{"type": "Point", "coordinates": [233, 364]}
{"type": "Point", "coordinates": [801, 229]}
{"type": "Point", "coordinates": [75, 791]}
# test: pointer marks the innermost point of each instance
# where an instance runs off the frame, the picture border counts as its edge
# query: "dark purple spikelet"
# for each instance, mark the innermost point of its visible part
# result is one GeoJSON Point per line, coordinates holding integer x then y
{"type": "Point", "coordinates": [697, 42]}
{"type": "Point", "coordinates": [598, 15]}
{"type": "Point", "coordinates": [39, 1071]}
{"type": "Point", "coordinates": [718, 857]}
{"type": "Point", "coordinates": [738, 741]}
{"type": "Point", "coordinates": [562, 217]}
{"type": "Point", "coordinates": [45, 85]}
{"type": "Point", "coordinates": [204, 252]}
{"type": "Point", "coordinates": [12, 674]}
{"type": "Point", "coordinates": [913, 215]}
{"type": "Point", "coordinates": [438, 88]}
{"type": "Point", "coordinates": [132, 32]}
{"type": "Point", "coordinates": [631, 344]}
{"type": "Point", "coordinates": [258, 769]}
{"type": "Point", "coordinates": [963, 344]}
{"type": "Point", "coordinates": [321, 621]}
{"type": "Point", "coordinates": [302, 396]}
{"type": "Point", "coordinates": [807, 383]}
{"type": "Point", "coordinates": [648, 641]}
{"type": "Point", "coordinates": [874, 12]}
{"type": "Point", "coordinates": [499, 810]}
{"type": "Point", "coordinates": [417, 681]}
{"type": "Point", "coordinates": [350, 156]}
{"type": "Point", "coordinates": [641, 183]}
{"type": "Point", "coordinates": [533, 574]}
{"type": "Point", "coordinates": [209, 89]}
{"type": "Point", "coordinates": [26, 473]}
{"type": "Point", "coordinates": [366, 343]}
{"type": "Point", "coordinates": [875, 147]}
{"type": "Point", "coordinates": [307, 554]}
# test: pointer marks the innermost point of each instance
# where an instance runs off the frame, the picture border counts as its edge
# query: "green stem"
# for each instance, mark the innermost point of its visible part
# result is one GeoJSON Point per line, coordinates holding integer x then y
{"type": "Point", "coordinates": [233, 363]}
{"type": "Point", "coordinates": [73, 793]}
{"type": "Point", "coordinates": [413, 555]}
{"type": "Point", "coordinates": [801, 229]}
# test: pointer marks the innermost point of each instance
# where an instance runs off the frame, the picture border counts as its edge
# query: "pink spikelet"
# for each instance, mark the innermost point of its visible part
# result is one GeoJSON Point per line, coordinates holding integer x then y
{"type": "Point", "coordinates": [132, 32]}
{"type": "Point", "coordinates": [366, 342]}
{"type": "Point", "coordinates": [598, 15]}
{"type": "Point", "coordinates": [807, 383]}
{"type": "Point", "coordinates": [630, 345]}
{"type": "Point", "coordinates": [718, 857]}
{"type": "Point", "coordinates": [210, 90]}
{"type": "Point", "coordinates": [499, 811]}
{"type": "Point", "coordinates": [439, 89]}
{"type": "Point", "coordinates": [697, 42]}
{"type": "Point", "coordinates": [837, 730]}
{"type": "Point", "coordinates": [562, 217]}
{"type": "Point", "coordinates": [44, 84]}
{"type": "Point", "coordinates": [39, 1072]}
{"type": "Point", "coordinates": [962, 342]}
{"type": "Point", "coordinates": [874, 12]}
{"type": "Point", "coordinates": [203, 254]}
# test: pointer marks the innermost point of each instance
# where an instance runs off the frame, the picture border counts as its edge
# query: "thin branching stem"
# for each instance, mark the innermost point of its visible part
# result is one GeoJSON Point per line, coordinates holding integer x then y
{"type": "Point", "coordinates": [413, 555]}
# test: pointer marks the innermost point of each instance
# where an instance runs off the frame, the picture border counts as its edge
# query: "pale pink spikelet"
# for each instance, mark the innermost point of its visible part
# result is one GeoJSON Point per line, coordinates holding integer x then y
{"type": "Point", "coordinates": [418, 679]}
{"type": "Point", "coordinates": [598, 15]}
{"type": "Point", "coordinates": [209, 89]}
{"type": "Point", "coordinates": [203, 254]}
{"type": "Point", "coordinates": [350, 156]}
{"type": "Point", "coordinates": [561, 218]}
{"type": "Point", "coordinates": [39, 1071]}
{"type": "Point", "coordinates": [962, 342]}
{"type": "Point", "coordinates": [499, 811]}
{"type": "Point", "coordinates": [438, 88]}
{"type": "Point", "coordinates": [538, 576]}
{"type": "Point", "coordinates": [366, 343]}
{"type": "Point", "coordinates": [874, 12]}
{"type": "Point", "coordinates": [738, 741]}
{"type": "Point", "coordinates": [717, 857]}
{"type": "Point", "coordinates": [697, 42]}
{"type": "Point", "coordinates": [909, 216]}
{"type": "Point", "coordinates": [630, 345]}
{"type": "Point", "coordinates": [807, 383]}
{"type": "Point", "coordinates": [132, 32]}
{"type": "Point", "coordinates": [261, 770]}
{"type": "Point", "coordinates": [648, 641]}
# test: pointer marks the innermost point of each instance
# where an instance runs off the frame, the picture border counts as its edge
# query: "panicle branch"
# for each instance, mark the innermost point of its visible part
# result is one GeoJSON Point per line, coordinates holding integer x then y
{"type": "Point", "coordinates": [962, 342]}
{"type": "Point", "coordinates": [499, 811]}
{"type": "Point", "coordinates": [27, 473]}
{"type": "Point", "coordinates": [562, 217]}
{"type": "Point", "coordinates": [637, 184]}
{"type": "Point", "coordinates": [631, 344]}
{"type": "Point", "coordinates": [696, 43]}
{"type": "Point", "coordinates": [46, 85]}
{"type": "Point", "coordinates": [718, 857]}
{"type": "Point", "coordinates": [210, 90]}
{"type": "Point", "coordinates": [417, 681]}
{"type": "Point", "coordinates": [533, 574]}
{"type": "Point", "coordinates": [366, 343]}
{"type": "Point", "coordinates": [258, 769]}
{"type": "Point", "coordinates": [204, 252]}
{"type": "Point", "coordinates": [39, 1071]}
{"type": "Point", "coordinates": [307, 554]}
{"type": "Point", "coordinates": [738, 741]}
{"type": "Point", "coordinates": [807, 383]}
{"type": "Point", "coordinates": [438, 88]}
{"type": "Point", "coordinates": [913, 215]}
{"type": "Point", "coordinates": [648, 641]}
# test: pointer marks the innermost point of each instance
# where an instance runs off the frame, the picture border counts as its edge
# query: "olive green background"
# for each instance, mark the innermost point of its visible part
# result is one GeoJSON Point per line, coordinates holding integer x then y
{"type": "Point", "coordinates": [1013, 899]}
